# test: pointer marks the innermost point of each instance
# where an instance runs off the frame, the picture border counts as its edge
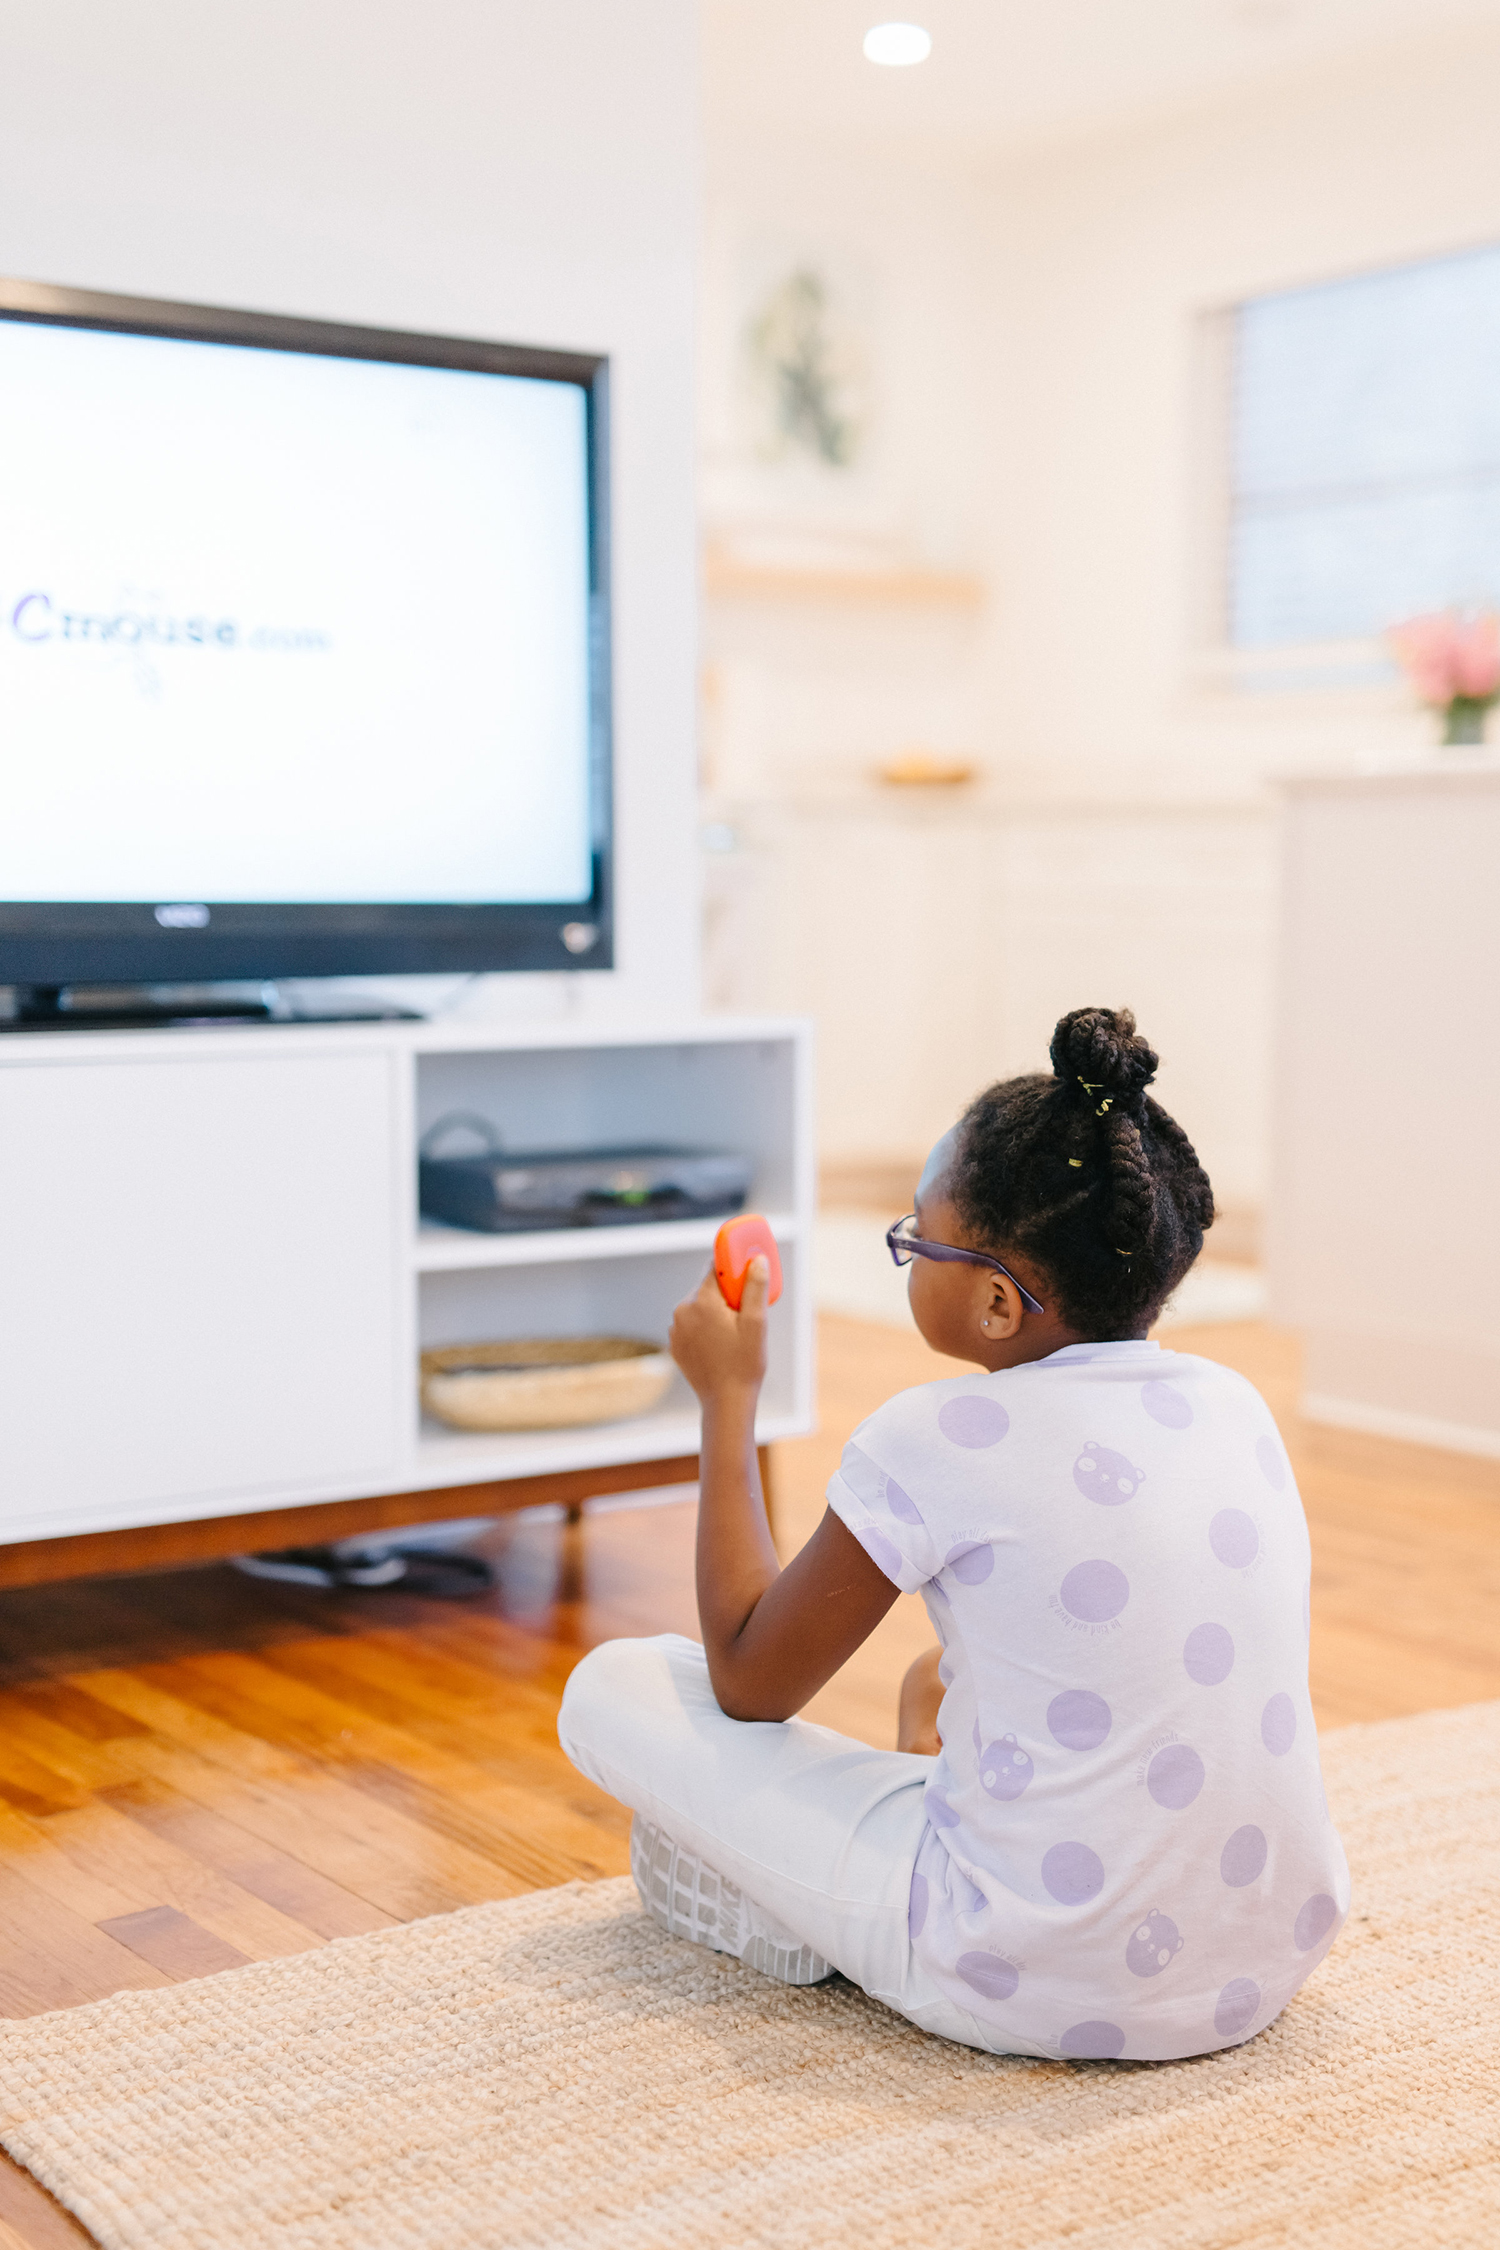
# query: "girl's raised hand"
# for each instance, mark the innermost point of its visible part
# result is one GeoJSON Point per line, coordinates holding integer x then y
{"type": "Point", "coordinates": [719, 1350]}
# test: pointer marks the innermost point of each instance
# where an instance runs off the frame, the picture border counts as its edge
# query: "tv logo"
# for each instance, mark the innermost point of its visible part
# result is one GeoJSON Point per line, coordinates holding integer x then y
{"type": "Point", "coordinates": [35, 619]}
{"type": "Point", "coordinates": [183, 917]}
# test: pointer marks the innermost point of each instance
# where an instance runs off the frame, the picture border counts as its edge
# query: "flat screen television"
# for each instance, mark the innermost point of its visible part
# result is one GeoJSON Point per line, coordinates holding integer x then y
{"type": "Point", "coordinates": [304, 649]}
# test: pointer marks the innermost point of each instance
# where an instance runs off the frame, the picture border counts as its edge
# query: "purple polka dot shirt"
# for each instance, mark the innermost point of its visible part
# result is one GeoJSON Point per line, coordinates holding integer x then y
{"type": "Point", "coordinates": [1127, 1850]}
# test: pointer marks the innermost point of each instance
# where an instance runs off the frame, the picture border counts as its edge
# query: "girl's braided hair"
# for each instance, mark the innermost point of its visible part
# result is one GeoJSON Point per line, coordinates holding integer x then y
{"type": "Point", "coordinates": [1087, 1175]}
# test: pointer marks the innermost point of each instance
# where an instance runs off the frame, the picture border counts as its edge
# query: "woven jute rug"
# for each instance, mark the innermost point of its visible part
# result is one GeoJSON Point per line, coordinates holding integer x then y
{"type": "Point", "coordinates": [551, 2071]}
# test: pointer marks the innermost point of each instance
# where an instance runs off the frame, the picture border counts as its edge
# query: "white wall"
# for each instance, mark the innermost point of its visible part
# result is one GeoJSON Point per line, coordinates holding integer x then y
{"type": "Point", "coordinates": [474, 166]}
{"type": "Point", "coordinates": [1102, 259]}
{"type": "Point", "coordinates": [1044, 387]}
{"type": "Point", "coordinates": [807, 701]}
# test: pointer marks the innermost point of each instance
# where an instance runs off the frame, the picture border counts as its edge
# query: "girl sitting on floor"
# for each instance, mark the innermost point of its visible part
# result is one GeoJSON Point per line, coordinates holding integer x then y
{"type": "Point", "coordinates": [1104, 1832]}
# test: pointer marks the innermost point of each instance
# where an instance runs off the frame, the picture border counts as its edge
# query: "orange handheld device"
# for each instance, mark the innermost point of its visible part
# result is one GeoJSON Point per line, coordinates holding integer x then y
{"type": "Point", "coordinates": [736, 1243]}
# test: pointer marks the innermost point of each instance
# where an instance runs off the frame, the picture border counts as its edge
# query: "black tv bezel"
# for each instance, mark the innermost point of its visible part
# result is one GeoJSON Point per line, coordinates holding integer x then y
{"type": "Point", "coordinates": [49, 943]}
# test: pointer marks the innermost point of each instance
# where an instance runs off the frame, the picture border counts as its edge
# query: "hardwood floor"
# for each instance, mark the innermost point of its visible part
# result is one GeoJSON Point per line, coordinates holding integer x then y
{"type": "Point", "coordinates": [198, 1769]}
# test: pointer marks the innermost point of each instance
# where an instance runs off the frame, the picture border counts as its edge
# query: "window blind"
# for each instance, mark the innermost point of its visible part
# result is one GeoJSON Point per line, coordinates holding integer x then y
{"type": "Point", "coordinates": [1365, 452]}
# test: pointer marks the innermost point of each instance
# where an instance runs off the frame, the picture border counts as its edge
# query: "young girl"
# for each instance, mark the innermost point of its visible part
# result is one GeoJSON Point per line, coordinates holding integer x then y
{"type": "Point", "coordinates": [1105, 1831]}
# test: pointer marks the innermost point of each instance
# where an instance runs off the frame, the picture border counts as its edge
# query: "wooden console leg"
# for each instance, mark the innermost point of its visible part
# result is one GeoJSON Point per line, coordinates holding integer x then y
{"type": "Point", "coordinates": [767, 1485]}
{"type": "Point", "coordinates": [574, 1511]}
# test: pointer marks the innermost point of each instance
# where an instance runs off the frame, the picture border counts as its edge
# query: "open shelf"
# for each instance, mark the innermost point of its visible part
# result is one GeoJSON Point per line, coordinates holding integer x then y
{"type": "Point", "coordinates": [587, 1295]}
{"type": "Point", "coordinates": [474, 1456]}
{"type": "Point", "coordinates": [441, 1249]}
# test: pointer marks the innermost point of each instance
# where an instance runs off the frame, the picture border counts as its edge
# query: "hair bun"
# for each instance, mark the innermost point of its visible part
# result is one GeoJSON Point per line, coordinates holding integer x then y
{"type": "Point", "coordinates": [1101, 1057]}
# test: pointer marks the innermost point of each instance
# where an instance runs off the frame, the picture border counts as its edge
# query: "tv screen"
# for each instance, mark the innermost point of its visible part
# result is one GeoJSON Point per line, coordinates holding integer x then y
{"type": "Point", "coordinates": [303, 648]}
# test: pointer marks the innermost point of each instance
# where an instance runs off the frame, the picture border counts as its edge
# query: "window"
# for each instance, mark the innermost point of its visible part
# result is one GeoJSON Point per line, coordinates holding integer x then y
{"type": "Point", "coordinates": [1365, 453]}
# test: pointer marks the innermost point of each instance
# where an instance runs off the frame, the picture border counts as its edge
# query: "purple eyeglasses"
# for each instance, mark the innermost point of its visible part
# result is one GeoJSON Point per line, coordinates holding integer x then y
{"type": "Point", "coordinates": [904, 1246]}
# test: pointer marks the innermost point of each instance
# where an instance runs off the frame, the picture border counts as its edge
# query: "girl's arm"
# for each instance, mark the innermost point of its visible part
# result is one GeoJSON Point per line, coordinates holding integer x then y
{"type": "Point", "coordinates": [772, 1636]}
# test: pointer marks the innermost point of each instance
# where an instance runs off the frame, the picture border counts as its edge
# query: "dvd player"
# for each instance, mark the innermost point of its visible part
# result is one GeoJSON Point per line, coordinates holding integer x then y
{"type": "Point", "coordinates": [514, 1192]}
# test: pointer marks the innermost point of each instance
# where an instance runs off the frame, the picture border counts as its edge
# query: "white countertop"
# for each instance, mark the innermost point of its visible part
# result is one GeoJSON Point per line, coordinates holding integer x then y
{"type": "Point", "coordinates": [1459, 767]}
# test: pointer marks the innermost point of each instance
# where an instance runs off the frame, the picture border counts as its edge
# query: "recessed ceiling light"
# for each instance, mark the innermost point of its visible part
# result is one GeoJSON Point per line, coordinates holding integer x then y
{"type": "Point", "coordinates": [897, 43]}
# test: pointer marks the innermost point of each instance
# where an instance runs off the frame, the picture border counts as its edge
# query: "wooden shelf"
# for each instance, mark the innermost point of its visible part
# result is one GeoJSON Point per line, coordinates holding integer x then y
{"type": "Point", "coordinates": [441, 1249]}
{"type": "Point", "coordinates": [726, 580]}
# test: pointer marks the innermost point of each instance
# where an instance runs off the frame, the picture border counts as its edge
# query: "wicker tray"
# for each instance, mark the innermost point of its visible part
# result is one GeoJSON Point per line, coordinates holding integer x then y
{"type": "Point", "coordinates": [544, 1382]}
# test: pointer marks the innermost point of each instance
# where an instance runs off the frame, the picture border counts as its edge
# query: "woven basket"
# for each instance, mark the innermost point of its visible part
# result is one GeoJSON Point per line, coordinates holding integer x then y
{"type": "Point", "coordinates": [544, 1382]}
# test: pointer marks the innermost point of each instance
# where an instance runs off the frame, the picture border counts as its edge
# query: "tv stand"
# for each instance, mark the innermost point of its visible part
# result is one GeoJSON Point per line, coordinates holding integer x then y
{"type": "Point", "coordinates": [61, 1007]}
{"type": "Point", "coordinates": [217, 1284]}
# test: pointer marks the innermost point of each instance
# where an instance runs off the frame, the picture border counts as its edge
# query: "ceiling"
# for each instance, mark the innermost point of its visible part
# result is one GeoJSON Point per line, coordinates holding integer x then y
{"type": "Point", "coordinates": [1011, 74]}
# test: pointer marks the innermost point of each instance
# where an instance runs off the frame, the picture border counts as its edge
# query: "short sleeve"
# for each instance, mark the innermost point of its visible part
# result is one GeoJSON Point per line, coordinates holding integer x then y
{"type": "Point", "coordinates": [883, 1516]}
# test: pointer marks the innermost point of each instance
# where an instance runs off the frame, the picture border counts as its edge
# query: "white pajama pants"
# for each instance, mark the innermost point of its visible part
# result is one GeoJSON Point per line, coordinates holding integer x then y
{"type": "Point", "coordinates": [820, 1831]}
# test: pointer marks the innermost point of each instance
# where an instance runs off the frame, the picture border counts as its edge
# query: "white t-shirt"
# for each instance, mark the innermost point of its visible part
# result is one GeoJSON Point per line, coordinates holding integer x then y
{"type": "Point", "coordinates": [1128, 1848]}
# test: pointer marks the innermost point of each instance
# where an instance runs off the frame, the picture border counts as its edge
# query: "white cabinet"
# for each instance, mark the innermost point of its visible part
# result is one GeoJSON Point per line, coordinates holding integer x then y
{"type": "Point", "coordinates": [198, 1283]}
{"type": "Point", "coordinates": [936, 943]}
{"type": "Point", "coordinates": [214, 1281]}
{"type": "Point", "coordinates": [1385, 1212]}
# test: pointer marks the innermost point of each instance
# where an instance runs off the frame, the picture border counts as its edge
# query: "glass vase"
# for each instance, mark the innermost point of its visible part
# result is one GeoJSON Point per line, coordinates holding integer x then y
{"type": "Point", "coordinates": [1464, 719]}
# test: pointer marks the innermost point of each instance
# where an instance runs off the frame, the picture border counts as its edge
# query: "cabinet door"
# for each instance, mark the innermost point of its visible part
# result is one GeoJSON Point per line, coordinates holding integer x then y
{"type": "Point", "coordinates": [198, 1285]}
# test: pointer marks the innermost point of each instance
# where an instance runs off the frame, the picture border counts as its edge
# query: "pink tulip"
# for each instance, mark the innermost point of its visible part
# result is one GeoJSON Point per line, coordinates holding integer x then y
{"type": "Point", "coordinates": [1447, 656]}
{"type": "Point", "coordinates": [1476, 670]}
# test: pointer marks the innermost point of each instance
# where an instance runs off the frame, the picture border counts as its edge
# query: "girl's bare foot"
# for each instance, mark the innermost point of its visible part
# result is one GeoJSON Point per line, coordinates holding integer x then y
{"type": "Point", "coordinates": [921, 1693]}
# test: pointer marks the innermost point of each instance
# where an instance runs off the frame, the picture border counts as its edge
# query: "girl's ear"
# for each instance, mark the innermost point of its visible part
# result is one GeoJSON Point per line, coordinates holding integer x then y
{"type": "Point", "coordinates": [1004, 1312]}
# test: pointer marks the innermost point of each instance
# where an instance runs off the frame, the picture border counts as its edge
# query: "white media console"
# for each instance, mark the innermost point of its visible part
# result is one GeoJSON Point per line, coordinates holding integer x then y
{"type": "Point", "coordinates": [214, 1283]}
